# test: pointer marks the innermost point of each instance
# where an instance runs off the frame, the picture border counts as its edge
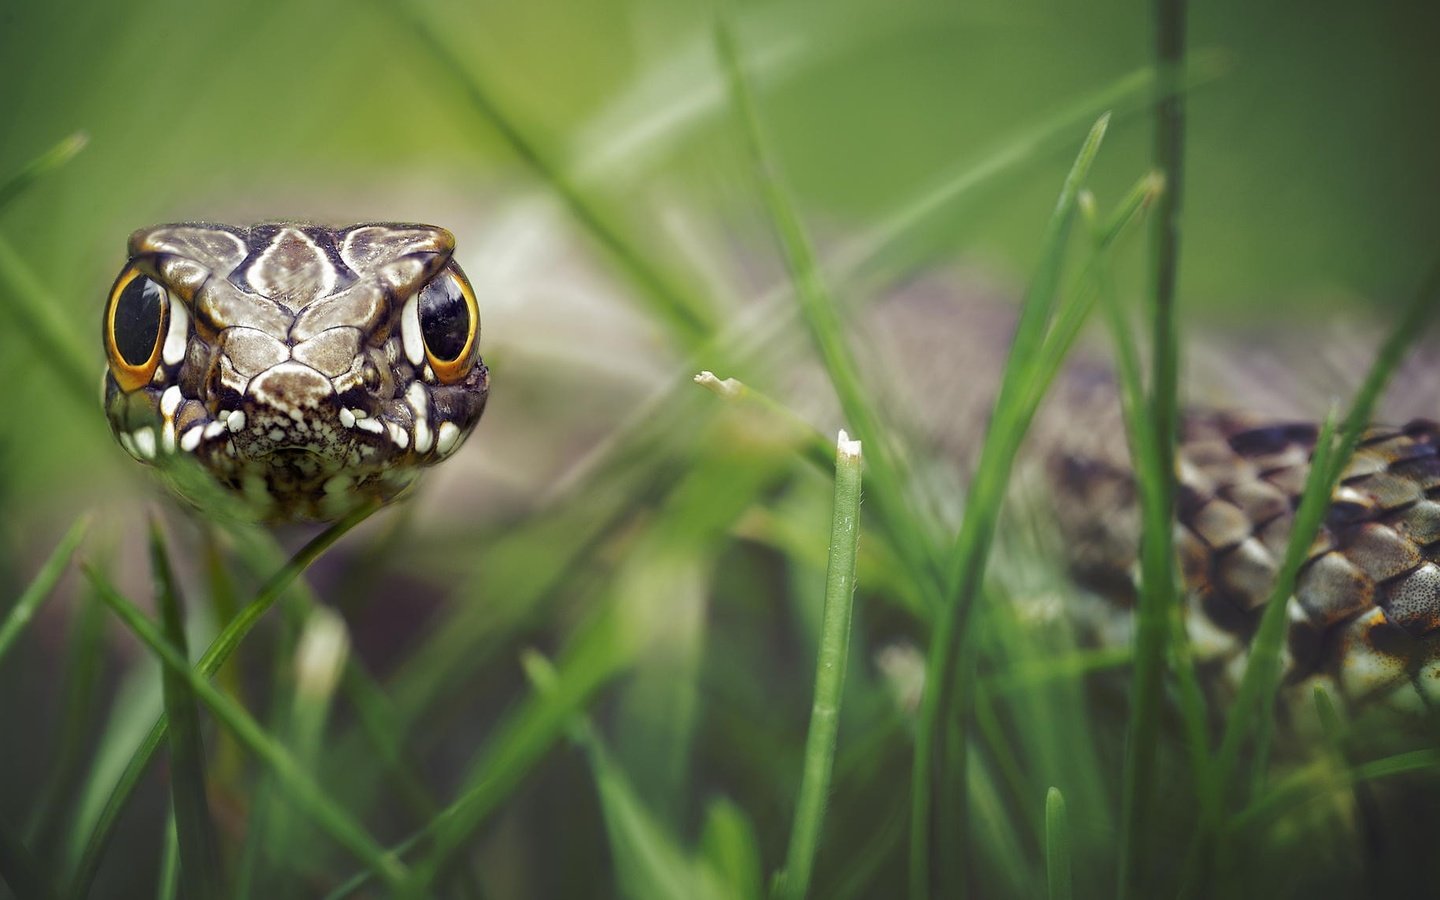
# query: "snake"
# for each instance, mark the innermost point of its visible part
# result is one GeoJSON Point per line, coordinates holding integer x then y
{"type": "Point", "coordinates": [308, 370]}
{"type": "Point", "coordinates": [1363, 620]}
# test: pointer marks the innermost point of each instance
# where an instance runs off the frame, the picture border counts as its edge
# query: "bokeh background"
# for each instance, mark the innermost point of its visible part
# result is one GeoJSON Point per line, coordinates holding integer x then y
{"type": "Point", "coordinates": [1309, 197]}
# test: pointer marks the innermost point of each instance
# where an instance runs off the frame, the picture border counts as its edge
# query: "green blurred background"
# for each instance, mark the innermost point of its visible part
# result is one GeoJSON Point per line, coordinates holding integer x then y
{"type": "Point", "coordinates": [1311, 188]}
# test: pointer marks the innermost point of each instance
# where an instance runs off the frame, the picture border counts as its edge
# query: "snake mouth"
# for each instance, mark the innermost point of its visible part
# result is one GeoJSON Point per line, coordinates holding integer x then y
{"type": "Point", "coordinates": [290, 409]}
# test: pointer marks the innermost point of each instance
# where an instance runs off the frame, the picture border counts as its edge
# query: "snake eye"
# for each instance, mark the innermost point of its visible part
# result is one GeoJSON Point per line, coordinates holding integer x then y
{"type": "Point", "coordinates": [135, 321]}
{"type": "Point", "coordinates": [449, 324]}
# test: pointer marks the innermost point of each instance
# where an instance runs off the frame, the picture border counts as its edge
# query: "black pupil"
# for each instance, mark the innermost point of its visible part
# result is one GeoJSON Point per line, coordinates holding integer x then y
{"type": "Point", "coordinates": [137, 319]}
{"type": "Point", "coordinates": [444, 318]}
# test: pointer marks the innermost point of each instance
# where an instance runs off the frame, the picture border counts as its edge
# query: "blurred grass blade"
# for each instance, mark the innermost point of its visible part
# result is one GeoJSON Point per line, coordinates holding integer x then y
{"type": "Point", "coordinates": [823, 322]}
{"type": "Point", "coordinates": [688, 316]}
{"type": "Point", "coordinates": [1057, 846]}
{"type": "Point", "coordinates": [794, 880]}
{"type": "Point", "coordinates": [40, 166]}
{"type": "Point", "coordinates": [1158, 574]}
{"type": "Point", "coordinates": [19, 868]}
{"type": "Point", "coordinates": [649, 861]}
{"type": "Point", "coordinates": [210, 662]}
{"type": "Point", "coordinates": [199, 848]}
{"type": "Point", "coordinates": [728, 844]}
{"type": "Point", "coordinates": [512, 749]}
{"type": "Point", "coordinates": [83, 667]}
{"type": "Point", "coordinates": [169, 883]}
{"type": "Point", "coordinates": [41, 585]}
{"type": "Point", "coordinates": [321, 653]}
{"type": "Point", "coordinates": [303, 791]}
{"type": "Point", "coordinates": [1315, 782]}
{"type": "Point", "coordinates": [54, 341]}
{"type": "Point", "coordinates": [1012, 414]}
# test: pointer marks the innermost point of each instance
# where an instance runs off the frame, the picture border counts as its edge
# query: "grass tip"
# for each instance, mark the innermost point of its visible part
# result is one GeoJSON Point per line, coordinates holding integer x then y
{"type": "Point", "coordinates": [847, 448]}
{"type": "Point", "coordinates": [729, 388]}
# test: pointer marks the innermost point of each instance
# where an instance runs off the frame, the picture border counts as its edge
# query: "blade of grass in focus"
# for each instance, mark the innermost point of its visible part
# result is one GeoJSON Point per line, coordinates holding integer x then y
{"type": "Point", "coordinates": [41, 585]}
{"type": "Point", "coordinates": [303, 790]}
{"type": "Point", "coordinates": [793, 881]}
{"type": "Point", "coordinates": [199, 848]}
{"type": "Point", "coordinates": [987, 489]}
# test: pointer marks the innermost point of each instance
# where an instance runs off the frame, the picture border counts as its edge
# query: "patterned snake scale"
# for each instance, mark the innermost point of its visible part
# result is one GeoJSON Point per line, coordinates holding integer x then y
{"type": "Point", "coordinates": [307, 369]}
{"type": "Point", "coordinates": [1364, 621]}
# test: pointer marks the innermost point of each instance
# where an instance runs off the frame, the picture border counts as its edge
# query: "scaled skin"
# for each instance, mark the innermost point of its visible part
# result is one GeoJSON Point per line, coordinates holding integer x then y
{"type": "Point", "coordinates": [292, 363]}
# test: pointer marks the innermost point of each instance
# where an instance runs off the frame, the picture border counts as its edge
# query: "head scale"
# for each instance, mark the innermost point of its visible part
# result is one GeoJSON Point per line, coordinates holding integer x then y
{"type": "Point", "coordinates": [308, 369]}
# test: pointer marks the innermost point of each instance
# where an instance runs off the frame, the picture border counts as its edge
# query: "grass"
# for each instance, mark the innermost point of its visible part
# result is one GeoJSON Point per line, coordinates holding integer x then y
{"type": "Point", "coordinates": [699, 666]}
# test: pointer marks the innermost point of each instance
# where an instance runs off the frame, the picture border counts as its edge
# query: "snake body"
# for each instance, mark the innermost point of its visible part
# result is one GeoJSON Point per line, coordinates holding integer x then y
{"type": "Point", "coordinates": [307, 369]}
{"type": "Point", "coordinates": [1364, 619]}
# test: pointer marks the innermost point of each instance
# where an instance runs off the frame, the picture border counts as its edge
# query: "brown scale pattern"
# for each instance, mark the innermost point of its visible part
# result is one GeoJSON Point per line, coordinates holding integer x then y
{"type": "Point", "coordinates": [1365, 616]}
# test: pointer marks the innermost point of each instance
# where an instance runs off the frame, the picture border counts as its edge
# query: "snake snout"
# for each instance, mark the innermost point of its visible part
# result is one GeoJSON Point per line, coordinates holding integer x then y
{"type": "Point", "coordinates": [291, 406]}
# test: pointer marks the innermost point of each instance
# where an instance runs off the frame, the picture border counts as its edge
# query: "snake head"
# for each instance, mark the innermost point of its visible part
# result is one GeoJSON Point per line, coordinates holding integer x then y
{"type": "Point", "coordinates": [307, 369]}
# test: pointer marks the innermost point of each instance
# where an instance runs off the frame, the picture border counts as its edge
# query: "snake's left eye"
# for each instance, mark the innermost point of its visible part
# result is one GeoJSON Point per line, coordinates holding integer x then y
{"type": "Point", "coordinates": [446, 323]}
{"type": "Point", "coordinates": [135, 321]}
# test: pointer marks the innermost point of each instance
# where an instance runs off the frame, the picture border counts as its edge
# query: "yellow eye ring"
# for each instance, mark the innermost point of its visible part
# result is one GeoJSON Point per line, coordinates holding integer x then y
{"type": "Point", "coordinates": [135, 319]}
{"type": "Point", "coordinates": [449, 320]}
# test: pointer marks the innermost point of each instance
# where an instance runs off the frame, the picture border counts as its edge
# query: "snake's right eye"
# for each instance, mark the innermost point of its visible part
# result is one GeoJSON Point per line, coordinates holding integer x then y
{"type": "Point", "coordinates": [135, 321]}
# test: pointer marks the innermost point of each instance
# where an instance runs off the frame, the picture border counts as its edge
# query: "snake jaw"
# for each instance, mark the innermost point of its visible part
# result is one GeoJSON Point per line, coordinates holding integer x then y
{"type": "Point", "coordinates": [284, 368]}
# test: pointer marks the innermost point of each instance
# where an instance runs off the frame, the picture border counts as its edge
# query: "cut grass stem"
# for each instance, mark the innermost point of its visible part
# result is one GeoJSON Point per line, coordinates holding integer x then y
{"type": "Point", "coordinates": [794, 880]}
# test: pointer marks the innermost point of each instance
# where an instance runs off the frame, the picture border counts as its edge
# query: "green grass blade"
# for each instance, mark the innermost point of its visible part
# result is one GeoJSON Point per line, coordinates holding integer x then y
{"type": "Point", "coordinates": [210, 662]}
{"type": "Point", "coordinates": [1057, 846]}
{"type": "Point", "coordinates": [169, 862]}
{"type": "Point", "coordinates": [41, 585]}
{"type": "Point", "coordinates": [515, 746]}
{"type": "Point", "coordinates": [687, 315]}
{"type": "Point", "coordinates": [728, 845]}
{"type": "Point", "coordinates": [40, 166]}
{"type": "Point", "coordinates": [53, 340]}
{"type": "Point", "coordinates": [321, 653]}
{"type": "Point", "coordinates": [1158, 585]}
{"type": "Point", "coordinates": [822, 318]}
{"type": "Point", "coordinates": [83, 667]}
{"type": "Point", "coordinates": [199, 848]}
{"type": "Point", "coordinates": [987, 490]}
{"type": "Point", "coordinates": [303, 791]}
{"type": "Point", "coordinates": [20, 869]}
{"type": "Point", "coordinates": [1315, 782]}
{"type": "Point", "coordinates": [794, 880]}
